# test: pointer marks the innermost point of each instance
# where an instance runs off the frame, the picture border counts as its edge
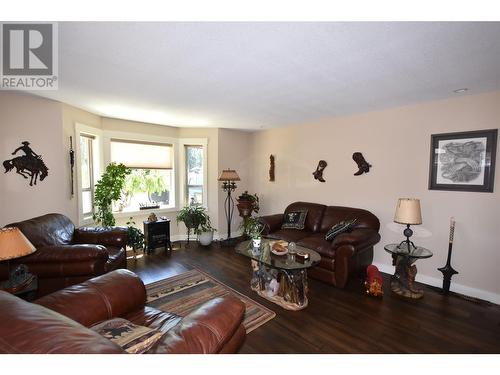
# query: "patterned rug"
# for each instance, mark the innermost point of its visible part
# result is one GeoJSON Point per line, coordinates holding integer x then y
{"type": "Point", "coordinates": [184, 293]}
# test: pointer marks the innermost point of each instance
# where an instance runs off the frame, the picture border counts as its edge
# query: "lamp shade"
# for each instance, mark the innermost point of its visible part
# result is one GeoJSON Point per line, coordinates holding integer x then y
{"type": "Point", "coordinates": [13, 244]}
{"type": "Point", "coordinates": [408, 211]}
{"type": "Point", "coordinates": [229, 175]}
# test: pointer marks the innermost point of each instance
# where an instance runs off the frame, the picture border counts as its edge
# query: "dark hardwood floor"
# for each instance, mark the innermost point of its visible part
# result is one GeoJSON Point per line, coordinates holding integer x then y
{"type": "Point", "coordinates": [343, 320]}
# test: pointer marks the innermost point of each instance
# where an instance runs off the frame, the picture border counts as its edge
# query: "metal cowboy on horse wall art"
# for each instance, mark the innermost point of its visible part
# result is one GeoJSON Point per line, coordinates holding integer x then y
{"type": "Point", "coordinates": [28, 165]}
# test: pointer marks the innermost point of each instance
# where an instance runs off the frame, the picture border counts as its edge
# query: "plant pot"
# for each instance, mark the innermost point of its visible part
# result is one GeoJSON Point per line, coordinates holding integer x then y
{"type": "Point", "coordinates": [245, 208]}
{"type": "Point", "coordinates": [256, 242]}
{"type": "Point", "coordinates": [206, 238]}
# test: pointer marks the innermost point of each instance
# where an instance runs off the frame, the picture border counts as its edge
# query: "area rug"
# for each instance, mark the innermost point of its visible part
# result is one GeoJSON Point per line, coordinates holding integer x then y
{"type": "Point", "coordinates": [184, 293]}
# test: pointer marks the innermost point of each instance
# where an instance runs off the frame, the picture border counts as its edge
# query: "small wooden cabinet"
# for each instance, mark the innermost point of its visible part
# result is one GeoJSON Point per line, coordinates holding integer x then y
{"type": "Point", "coordinates": [157, 234]}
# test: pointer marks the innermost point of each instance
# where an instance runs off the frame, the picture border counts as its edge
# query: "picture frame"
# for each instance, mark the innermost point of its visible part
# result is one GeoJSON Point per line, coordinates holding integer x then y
{"type": "Point", "coordinates": [463, 161]}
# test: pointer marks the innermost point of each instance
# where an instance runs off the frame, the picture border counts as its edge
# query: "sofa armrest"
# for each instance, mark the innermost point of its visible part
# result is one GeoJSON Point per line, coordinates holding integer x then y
{"type": "Point", "coordinates": [101, 298]}
{"type": "Point", "coordinates": [361, 237]}
{"type": "Point", "coordinates": [113, 236]}
{"type": "Point", "coordinates": [271, 223]}
{"type": "Point", "coordinates": [27, 328]}
{"type": "Point", "coordinates": [205, 330]}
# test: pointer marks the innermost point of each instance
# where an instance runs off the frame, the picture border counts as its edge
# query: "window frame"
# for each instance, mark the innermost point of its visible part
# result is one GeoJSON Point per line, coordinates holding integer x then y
{"type": "Point", "coordinates": [96, 164]}
{"type": "Point", "coordinates": [201, 142]}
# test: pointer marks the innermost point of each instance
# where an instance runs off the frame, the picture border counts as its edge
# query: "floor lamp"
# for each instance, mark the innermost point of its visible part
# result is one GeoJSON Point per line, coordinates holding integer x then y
{"type": "Point", "coordinates": [228, 178]}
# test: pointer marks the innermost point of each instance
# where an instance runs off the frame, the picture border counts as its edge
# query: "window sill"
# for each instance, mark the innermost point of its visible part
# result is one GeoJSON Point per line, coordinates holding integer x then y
{"type": "Point", "coordinates": [157, 211]}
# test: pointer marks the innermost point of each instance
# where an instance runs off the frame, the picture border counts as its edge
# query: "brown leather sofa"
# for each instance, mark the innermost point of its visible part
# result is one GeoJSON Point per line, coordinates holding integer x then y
{"type": "Point", "coordinates": [348, 254]}
{"type": "Point", "coordinates": [58, 322]}
{"type": "Point", "coordinates": [67, 255]}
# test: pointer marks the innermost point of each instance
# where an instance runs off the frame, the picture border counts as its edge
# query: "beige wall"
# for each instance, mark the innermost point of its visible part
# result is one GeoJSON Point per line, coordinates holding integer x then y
{"type": "Point", "coordinates": [234, 153]}
{"type": "Point", "coordinates": [38, 121]}
{"type": "Point", "coordinates": [397, 143]}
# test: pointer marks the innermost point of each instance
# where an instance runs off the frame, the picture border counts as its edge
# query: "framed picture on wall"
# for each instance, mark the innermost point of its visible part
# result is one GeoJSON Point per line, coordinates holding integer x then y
{"type": "Point", "coordinates": [463, 161]}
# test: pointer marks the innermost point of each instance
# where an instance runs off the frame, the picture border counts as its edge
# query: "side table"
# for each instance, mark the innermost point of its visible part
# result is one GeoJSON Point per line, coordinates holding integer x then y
{"type": "Point", "coordinates": [403, 257]}
{"type": "Point", "coordinates": [27, 292]}
{"type": "Point", "coordinates": [156, 234]}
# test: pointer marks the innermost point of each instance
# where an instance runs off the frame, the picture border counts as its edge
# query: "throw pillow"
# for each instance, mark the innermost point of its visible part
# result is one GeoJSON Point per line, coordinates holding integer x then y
{"type": "Point", "coordinates": [131, 337]}
{"type": "Point", "coordinates": [338, 228]}
{"type": "Point", "coordinates": [294, 219]}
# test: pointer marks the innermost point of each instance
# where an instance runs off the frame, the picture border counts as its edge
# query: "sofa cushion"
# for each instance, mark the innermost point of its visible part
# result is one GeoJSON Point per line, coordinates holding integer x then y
{"type": "Point", "coordinates": [153, 318]}
{"type": "Point", "coordinates": [318, 243]}
{"type": "Point", "coordinates": [335, 214]}
{"type": "Point", "coordinates": [290, 235]}
{"type": "Point", "coordinates": [343, 226]}
{"type": "Point", "coordinates": [314, 214]}
{"type": "Point", "coordinates": [294, 220]}
{"type": "Point", "coordinates": [130, 337]}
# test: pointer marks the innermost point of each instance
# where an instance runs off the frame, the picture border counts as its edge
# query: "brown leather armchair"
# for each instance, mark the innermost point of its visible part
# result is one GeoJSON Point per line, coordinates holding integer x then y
{"type": "Point", "coordinates": [348, 254]}
{"type": "Point", "coordinates": [58, 322]}
{"type": "Point", "coordinates": [67, 255]}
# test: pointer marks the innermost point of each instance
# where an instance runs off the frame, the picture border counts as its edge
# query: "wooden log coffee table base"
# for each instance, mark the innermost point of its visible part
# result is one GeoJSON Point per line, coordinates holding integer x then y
{"type": "Point", "coordinates": [291, 293]}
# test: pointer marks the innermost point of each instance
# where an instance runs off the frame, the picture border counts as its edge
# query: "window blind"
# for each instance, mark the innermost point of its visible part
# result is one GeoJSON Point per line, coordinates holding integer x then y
{"type": "Point", "coordinates": [143, 155]}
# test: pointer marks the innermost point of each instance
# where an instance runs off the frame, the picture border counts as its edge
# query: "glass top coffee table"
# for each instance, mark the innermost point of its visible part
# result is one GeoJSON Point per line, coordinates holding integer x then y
{"type": "Point", "coordinates": [281, 279]}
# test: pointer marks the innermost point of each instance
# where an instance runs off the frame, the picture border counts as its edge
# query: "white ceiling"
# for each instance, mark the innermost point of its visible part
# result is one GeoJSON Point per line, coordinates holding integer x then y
{"type": "Point", "coordinates": [263, 75]}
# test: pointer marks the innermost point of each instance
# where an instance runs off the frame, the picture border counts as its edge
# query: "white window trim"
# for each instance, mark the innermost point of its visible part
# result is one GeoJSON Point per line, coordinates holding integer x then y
{"type": "Point", "coordinates": [109, 135]}
{"type": "Point", "coordinates": [182, 160]}
{"type": "Point", "coordinates": [97, 163]}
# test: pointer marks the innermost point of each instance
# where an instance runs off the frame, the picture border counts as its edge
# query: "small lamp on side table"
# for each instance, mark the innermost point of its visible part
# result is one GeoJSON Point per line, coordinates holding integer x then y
{"type": "Point", "coordinates": [13, 244]}
{"type": "Point", "coordinates": [408, 212]}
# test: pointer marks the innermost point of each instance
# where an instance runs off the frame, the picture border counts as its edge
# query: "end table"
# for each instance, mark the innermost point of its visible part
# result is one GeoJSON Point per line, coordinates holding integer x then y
{"type": "Point", "coordinates": [403, 257]}
{"type": "Point", "coordinates": [27, 292]}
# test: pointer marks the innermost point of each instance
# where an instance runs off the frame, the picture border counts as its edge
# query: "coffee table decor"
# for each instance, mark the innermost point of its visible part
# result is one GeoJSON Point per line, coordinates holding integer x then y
{"type": "Point", "coordinates": [281, 279]}
{"type": "Point", "coordinates": [185, 292]}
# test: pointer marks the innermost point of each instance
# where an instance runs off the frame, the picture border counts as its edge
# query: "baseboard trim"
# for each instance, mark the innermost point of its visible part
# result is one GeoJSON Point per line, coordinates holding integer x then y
{"type": "Point", "coordinates": [456, 288]}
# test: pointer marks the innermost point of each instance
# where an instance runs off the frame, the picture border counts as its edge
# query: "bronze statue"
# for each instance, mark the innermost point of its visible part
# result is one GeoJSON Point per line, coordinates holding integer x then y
{"type": "Point", "coordinates": [318, 173]}
{"type": "Point", "coordinates": [363, 165]}
{"type": "Point", "coordinates": [271, 168]}
{"type": "Point", "coordinates": [28, 165]}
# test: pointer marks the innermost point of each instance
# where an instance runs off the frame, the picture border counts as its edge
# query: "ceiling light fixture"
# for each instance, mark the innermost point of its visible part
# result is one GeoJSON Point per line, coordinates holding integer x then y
{"type": "Point", "coordinates": [458, 91]}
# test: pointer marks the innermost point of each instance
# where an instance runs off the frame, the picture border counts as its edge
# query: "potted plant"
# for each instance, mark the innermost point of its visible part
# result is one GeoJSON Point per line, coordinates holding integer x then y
{"type": "Point", "coordinates": [253, 228]}
{"type": "Point", "coordinates": [247, 204]}
{"type": "Point", "coordinates": [135, 237]}
{"type": "Point", "coordinates": [193, 216]}
{"type": "Point", "coordinates": [109, 189]}
{"type": "Point", "coordinates": [205, 232]}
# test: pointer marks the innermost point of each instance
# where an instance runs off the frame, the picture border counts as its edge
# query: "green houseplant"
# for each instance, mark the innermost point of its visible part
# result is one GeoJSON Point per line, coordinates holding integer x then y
{"type": "Point", "coordinates": [251, 227]}
{"type": "Point", "coordinates": [109, 189]}
{"type": "Point", "coordinates": [135, 238]}
{"type": "Point", "coordinates": [193, 216]}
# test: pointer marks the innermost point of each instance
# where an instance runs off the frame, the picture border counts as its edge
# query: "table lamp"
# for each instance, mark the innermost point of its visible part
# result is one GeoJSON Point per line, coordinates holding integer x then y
{"type": "Point", "coordinates": [228, 178]}
{"type": "Point", "coordinates": [408, 213]}
{"type": "Point", "coordinates": [13, 244]}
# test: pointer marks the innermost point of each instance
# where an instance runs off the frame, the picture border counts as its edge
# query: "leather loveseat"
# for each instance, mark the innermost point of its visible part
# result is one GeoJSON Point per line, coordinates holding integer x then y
{"type": "Point", "coordinates": [58, 322]}
{"type": "Point", "coordinates": [348, 254]}
{"type": "Point", "coordinates": [67, 255]}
